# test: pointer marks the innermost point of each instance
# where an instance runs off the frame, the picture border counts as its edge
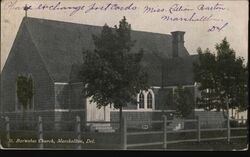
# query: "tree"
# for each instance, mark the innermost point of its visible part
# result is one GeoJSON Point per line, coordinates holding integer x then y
{"type": "Point", "coordinates": [183, 102]}
{"type": "Point", "coordinates": [222, 77]}
{"type": "Point", "coordinates": [112, 74]}
{"type": "Point", "coordinates": [204, 72]}
{"type": "Point", "coordinates": [24, 92]}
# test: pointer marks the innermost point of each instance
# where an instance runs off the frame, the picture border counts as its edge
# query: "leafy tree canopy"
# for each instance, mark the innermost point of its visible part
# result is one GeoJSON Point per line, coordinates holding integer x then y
{"type": "Point", "coordinates": [222, 77]}
{"type": "Point", "coordinates": [112, 74]}
{"type": "Point", "coordinates": [183, 102]}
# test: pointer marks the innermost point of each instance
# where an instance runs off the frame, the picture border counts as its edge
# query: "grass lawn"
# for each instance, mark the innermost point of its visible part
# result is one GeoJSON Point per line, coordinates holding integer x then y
{"type": "Point", "coordinates": [216, 145]}
{"type": "Point", "coordinates": [91, 140]}
{"type": "Point", "coordinates": [111, 141]}
{"type": "Point", "coordinates": [219, 145]}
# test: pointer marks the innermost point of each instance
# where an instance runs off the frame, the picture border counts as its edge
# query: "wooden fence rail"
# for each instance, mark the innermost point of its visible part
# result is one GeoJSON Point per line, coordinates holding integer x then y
{"type": "Point", "coordinates": [124, 132]}
{"type": "Point", "coordinates": [165, 141]}
{"type": "Point", "coordinates": [40, 131]}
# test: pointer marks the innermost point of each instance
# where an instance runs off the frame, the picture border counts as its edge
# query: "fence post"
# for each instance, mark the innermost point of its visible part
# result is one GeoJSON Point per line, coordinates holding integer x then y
{"type": "Point", "coordinates": [78, 131]}
{"type": "Point", "coordinates": [164, 131]}
{"type": "Point", "coordinates": [242, 120]}
{"type": "Point", "coordinates": [228, 128]}
{"type": "Point", "coordinates": [124, 133]}
{"type": "Point", "coordinates": [7, 127]}
{"type": "Point", "coordinates": [40, 131]}
{"type": "Point", "coordinates": [198, 129]}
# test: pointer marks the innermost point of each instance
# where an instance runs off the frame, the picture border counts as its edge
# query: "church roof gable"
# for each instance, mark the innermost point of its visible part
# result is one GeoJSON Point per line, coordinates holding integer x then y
{"type": "Point", "coordinates": [61, 44]}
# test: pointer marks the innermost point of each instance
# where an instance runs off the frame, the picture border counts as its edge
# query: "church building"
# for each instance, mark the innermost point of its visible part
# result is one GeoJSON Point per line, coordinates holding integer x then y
{"type": "Point", "coordinates": [50, 52]}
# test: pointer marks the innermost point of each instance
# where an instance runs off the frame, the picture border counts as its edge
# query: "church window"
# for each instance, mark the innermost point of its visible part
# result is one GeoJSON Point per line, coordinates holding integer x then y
{"type": "Point", "coordinates": [149, 100]}
{"type": "Point", "coordinates": [141, 100]}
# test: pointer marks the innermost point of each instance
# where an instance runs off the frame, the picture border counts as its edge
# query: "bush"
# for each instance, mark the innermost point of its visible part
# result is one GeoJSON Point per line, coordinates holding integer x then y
{"type": "Point", "coordinates": [234, 123]}
{"type": "Point", "coordinates": [245, 124]}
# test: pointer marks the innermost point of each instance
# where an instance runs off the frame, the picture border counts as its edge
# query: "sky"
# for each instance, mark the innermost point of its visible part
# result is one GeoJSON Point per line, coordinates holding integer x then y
{"type": "Point", "coordinates": [205, 22]}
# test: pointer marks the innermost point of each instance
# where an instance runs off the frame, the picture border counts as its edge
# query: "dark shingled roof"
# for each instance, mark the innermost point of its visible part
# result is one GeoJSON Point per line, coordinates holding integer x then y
{"type": "Point", "coordinates": [61, 45]}
{"type": "Point", "coordinates": [178, 71]}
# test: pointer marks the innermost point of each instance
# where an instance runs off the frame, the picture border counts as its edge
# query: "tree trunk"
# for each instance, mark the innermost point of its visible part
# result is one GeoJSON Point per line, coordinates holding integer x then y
{"type": "Point", "coordinates": [224, 113]}
{"type": "Point", "coordinates": [120, 118]}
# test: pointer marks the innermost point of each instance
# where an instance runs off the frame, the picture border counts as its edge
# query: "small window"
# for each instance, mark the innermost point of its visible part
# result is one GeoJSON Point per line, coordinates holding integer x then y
{"type": "Point", "coordinates": [141, 100]}
{"type": "Point", "coordinates": [149, 100]}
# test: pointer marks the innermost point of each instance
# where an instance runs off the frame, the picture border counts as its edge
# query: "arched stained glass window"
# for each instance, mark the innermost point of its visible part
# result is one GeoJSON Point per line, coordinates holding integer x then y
{"type": "Point", "coordinates": [141, 100]}
{"type": "Point", "coordinates": [149, 100]}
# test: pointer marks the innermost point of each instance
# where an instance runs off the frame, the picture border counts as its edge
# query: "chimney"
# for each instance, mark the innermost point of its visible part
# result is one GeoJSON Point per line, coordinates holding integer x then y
{"type": "Point", "coordinates": [177, 42]}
